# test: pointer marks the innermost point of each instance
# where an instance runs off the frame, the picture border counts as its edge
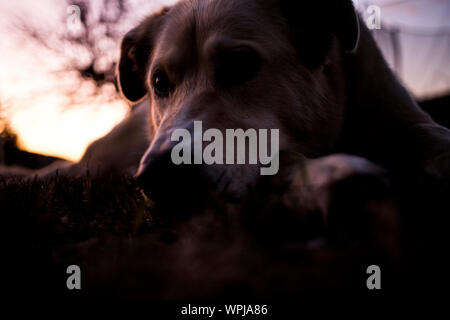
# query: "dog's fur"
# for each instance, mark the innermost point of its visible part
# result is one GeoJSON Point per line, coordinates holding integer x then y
{"type": "Point", "coordinates": [318, 77]}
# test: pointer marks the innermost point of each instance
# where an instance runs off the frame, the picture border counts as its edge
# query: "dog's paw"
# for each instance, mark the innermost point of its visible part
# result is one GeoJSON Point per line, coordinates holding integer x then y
{"type": "Point", "coordinates": [353, 196]}
{"type": "Point", "coordinates": [320, 182]}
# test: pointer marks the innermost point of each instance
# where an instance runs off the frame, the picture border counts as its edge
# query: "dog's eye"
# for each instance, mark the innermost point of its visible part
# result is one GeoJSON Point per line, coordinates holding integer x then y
{"type": "Point", "coordinates": [161, 83]}
{"type": "Point", "coordinates": [238, 66]}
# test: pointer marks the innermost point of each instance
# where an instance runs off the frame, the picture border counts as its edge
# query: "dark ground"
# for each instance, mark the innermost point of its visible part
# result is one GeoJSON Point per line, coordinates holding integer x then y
{"type": "Point", "coordinates": [128, 249]}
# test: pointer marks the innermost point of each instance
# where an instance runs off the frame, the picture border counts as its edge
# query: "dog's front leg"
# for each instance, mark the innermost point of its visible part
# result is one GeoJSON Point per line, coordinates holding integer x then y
{"type": "Point", "coordinates": [352, 195]}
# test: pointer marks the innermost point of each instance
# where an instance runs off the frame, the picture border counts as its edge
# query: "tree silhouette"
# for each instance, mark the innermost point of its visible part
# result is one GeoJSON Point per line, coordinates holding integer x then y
{"type": "Point", "coordinates": [89, 48]}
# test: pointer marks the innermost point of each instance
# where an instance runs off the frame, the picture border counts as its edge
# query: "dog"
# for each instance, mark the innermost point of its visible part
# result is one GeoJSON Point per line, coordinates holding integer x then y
{"type": "Point", "coordinates": [313, 71]}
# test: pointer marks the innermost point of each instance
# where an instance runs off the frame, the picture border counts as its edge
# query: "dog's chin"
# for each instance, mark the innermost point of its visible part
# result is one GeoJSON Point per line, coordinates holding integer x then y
{"type": "Point", "coordinates": [232, 183]}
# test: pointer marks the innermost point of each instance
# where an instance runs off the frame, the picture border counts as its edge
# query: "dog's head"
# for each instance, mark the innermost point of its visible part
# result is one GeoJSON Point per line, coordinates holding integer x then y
{"type": "Point", "coordinates": [239, 64]}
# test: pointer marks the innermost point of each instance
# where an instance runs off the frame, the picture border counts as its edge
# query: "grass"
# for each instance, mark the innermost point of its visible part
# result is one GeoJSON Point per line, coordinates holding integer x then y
{"type": "Point", "coordinates": [127, 249]}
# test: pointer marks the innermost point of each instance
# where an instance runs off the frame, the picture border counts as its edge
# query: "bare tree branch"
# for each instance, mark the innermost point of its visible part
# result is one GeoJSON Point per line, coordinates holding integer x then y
{"type": "Point", "coordinates": [89, 52]}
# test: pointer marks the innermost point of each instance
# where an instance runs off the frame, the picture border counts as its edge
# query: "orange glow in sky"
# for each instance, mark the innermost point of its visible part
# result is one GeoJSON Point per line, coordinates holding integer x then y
{"type": "Point", "coordinates": [36, 101]}
{"type": "Point", "coordinates": [45, 128]}
{"type": "Point", "coordinates": [38, 109]}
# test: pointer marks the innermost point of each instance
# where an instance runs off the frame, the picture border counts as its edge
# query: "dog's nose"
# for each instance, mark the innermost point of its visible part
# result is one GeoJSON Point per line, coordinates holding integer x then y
{"type": "Point", "coordinates": [155, 168]}
{"type": "Point", "coordinates": [169, 185]}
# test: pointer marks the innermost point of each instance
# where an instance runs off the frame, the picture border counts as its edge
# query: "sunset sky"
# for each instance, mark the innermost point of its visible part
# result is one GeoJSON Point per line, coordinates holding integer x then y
{"type": "Point", "coordinates": [37, 108]}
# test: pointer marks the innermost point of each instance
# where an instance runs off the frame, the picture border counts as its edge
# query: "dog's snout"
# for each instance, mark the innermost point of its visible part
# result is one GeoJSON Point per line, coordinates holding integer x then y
{"type": "Point", "coordinates": [154, 167]}
{"type": "Point", "coordinates": [170, 184]}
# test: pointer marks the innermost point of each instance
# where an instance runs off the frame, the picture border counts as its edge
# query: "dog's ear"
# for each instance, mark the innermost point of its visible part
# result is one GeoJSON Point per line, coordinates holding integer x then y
{"type": "Point", "coordinates": [135, 54]}
{"type": "Point", "coordinates": [345, 24]}
{"type": "Point", "coordinates": [313, 24]}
